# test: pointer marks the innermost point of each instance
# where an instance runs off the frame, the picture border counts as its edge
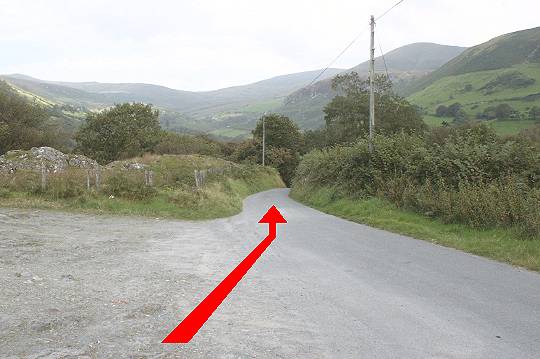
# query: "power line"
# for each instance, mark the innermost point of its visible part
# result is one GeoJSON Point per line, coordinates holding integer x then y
{"type": "Point", "coordinates": [338, 56]}
{"type": "Point", "coordinates": [384, 60]}
{"type": "Point", "coordinates": [387, 11]}
{"type": "Point", "coordinates": [352, 43]}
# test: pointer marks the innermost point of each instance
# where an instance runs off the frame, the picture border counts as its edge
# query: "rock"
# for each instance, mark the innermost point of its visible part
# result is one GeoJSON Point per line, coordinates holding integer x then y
{"type": "Point", "coordinates": [53, 160]}
{"type": "Point", "coordinates": [126, 165]}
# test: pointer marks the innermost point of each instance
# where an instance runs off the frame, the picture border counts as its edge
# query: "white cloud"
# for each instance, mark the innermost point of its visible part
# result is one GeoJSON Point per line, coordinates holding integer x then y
{"type": "Point", "coordinates": [208, 44]}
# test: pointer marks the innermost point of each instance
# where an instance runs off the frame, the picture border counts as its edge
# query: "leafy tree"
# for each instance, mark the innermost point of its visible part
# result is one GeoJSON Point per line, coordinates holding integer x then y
{"type": "Point", "coordinates": [504, 111]}
{"type": "Point", "coordinates": [248, 151]}
{"type": "Point", "coordinates": [488, 114]}
{"type": "Point", "coordinates": [441, 111]}
{"type": "Point", "coordinates": [534, 113]}
{"type": "Point", "coordinates": [347, 115]}
{"type": "Point", "coordinates": [281, 131]}
{"type": "Point", "coordinates": [285, 160]}
{"type": "Point", "coordinates": [124, 131]}
{"type": "Point", "coordinates": [315, 139]}
{"type": "Point", "coordinates": [24, 125]}
{"type": "Point", "coordinates": [182, 144]}
{"type": "Point", "coordinates": [454, 110]}
{"type": "Point", "coordinates": [284, 141]}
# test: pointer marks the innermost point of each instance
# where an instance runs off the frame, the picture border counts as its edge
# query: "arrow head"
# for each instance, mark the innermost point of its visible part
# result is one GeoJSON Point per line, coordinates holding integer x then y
{"type": "Point", "coordinates": [272, 216]}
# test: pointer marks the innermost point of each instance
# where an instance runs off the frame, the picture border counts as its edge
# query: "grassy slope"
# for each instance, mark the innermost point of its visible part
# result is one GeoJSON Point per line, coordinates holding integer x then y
{"type": "Point", "coordinates": [449, 90]}
{"type": "Point", "coordinates": [221, 197]}
{"type": "Point", "coordinates": [499, 244]}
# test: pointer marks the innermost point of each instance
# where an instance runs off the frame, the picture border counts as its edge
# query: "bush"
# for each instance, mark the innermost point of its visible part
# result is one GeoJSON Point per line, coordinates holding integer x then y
{"type": "Point", "coordinates": [21, 181]}
{"type": "Point", "coordinates": [129, 185]}
{"type": "Point", "coordinates": [69, 184]}
{"type": "Point", "coordinates": [179, 144]}
{"type": "Point", "coordinates": [466, 175]}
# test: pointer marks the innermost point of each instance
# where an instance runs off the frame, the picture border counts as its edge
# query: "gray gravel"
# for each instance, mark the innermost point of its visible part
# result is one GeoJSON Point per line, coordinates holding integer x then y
{"type": "Point", "coordinates": [78, 286]}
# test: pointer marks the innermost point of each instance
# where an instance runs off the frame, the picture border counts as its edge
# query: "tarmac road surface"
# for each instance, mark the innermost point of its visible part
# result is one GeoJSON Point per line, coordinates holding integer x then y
{"type": "Point", "coordinates": [79, 286]}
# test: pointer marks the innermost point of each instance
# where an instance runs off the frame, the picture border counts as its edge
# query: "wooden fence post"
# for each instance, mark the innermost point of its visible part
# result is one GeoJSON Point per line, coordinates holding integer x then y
{"type": "Point", "coordinates": [88, 180]}
{"type": "Point", "coordinates": [97, 178]}
{"type": "Point", "coordinates": [43, 177]}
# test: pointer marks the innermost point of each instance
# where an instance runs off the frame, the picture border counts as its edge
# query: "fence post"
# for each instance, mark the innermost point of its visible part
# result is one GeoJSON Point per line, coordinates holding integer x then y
{"type": "Point", "coordinates": [197, 178]}
{"type": "Point", "coordinates": [43, 177]}
{"type": "Point", "coordinates": [97, 178]}
{"type": "Point", "coordinates": [88, 180]}
{"type": "Point", "coordinates": [151, 178]}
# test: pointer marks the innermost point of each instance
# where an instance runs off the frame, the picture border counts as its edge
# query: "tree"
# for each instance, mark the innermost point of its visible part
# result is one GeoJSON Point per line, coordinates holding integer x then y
{"type": "Point", "coordinates": [347, 115]}
{"type": "Point", "coordinates": [284, 141]}
{"type": "Point", "coordinates": [441, 111]}
{"type": "Point", "coordinates": [281, 131]}
{"type": "Point", "coordinates": [534, 113]}
{"type": "Point", "coordinates": [454, 110]}
{"type": "Point", "coordinates": [24, 125]}
{"type": "Point", "coordinates": [124, 131]}
{"type": "Point", "coordinates": [504, 111]}
{"type": "Point", "coordinates": [315, 139]}
{"type": "Point", "coordinates": [183, 144]}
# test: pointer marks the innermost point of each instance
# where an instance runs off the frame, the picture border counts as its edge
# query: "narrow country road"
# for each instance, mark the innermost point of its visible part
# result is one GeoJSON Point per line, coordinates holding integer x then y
{"type": "Point", "coordinates": [78, 286]}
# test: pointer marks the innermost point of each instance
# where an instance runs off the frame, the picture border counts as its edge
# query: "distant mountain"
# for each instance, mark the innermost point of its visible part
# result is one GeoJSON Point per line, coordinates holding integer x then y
{"type": "Point", "coordinates": [501, 52]}
{"type": "Point", "coordinates": [204, 111]}
{"type": "Point", "coordinates": [505, 70]}
{"type": "Point", "coordinates": [405, 64]}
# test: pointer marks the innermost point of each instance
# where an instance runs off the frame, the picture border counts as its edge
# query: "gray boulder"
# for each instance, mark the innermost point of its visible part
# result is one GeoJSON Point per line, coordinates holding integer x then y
{"type": "Point", "coordinates": [53, 160]}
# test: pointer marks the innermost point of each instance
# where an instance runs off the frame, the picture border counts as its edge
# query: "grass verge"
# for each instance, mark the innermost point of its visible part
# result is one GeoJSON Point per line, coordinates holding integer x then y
{"type": "Point", "coordinates": [500, 244]}
{"type": "Point", "coordinates": [175, 196]}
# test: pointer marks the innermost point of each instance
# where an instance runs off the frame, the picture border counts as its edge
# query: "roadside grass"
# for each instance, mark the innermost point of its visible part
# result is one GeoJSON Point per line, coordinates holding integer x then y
{"type": "Point", "coordinates": [500, 244]}
{"type": "Point", "coordinates": [173, 196]}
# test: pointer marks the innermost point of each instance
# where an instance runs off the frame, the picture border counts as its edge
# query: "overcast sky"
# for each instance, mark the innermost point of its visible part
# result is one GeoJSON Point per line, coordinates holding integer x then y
{"type": "Point", "coordinates": [210, 44]}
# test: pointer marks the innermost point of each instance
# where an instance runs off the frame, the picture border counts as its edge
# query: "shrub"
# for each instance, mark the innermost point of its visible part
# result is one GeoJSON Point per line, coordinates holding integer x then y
{"type": "Point", "coordinates": [181, 144]}
{"type": "Point", "coordinates": [129, 185]}
{"type": "Point", "coordinates": [68, 184]}
{"type": "Point", "coordinates": [466, 175]}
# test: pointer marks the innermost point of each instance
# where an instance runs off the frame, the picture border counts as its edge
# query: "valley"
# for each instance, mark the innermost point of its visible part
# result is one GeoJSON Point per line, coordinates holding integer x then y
{"type": "Point", "coordinates": [429, 75]}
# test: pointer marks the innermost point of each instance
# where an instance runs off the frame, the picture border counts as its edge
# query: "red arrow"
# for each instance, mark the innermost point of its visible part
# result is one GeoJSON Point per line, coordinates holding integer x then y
{"type": "Point", "coordinates": [195, 320]}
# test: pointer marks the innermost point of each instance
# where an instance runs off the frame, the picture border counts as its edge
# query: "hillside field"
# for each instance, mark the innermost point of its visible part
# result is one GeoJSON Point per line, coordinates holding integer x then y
{"type": "Point", "coordinates": [476, 91]}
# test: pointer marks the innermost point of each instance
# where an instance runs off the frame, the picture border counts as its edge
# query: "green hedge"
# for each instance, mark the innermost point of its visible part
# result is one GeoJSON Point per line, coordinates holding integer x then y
{"type": "Point", "coordinates": [466, 175]}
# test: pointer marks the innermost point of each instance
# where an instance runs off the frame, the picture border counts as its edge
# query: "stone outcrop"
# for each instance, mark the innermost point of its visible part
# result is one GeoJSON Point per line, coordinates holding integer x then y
{"type": "Point", "coordinates": [126, 165]}
{"type": "Point", "coordinates": [52, 159]}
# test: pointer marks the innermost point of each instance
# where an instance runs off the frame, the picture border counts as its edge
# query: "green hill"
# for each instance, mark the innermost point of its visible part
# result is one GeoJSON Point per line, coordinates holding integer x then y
{"type": "Point", "coordinates": [501, 52]}
{"type": "Point", "coordinates": [504, 70]}
{"type": "Point", "coordinates": [405, 65]}
{"type": "Point", "coordinates": [228, 110]}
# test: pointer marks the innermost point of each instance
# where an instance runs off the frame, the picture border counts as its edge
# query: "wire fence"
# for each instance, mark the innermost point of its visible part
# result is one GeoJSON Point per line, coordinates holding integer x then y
{"type": "Point", "coordinates": [94, 179]}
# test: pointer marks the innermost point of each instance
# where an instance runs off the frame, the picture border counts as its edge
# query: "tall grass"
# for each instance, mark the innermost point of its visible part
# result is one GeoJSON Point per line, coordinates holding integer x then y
{"type": "Point", "coordinates": [173, 193]}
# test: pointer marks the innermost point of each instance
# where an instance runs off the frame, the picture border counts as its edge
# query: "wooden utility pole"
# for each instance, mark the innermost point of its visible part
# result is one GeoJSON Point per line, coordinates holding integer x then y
{"type": "Point", "coordinates": [371, 85]}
